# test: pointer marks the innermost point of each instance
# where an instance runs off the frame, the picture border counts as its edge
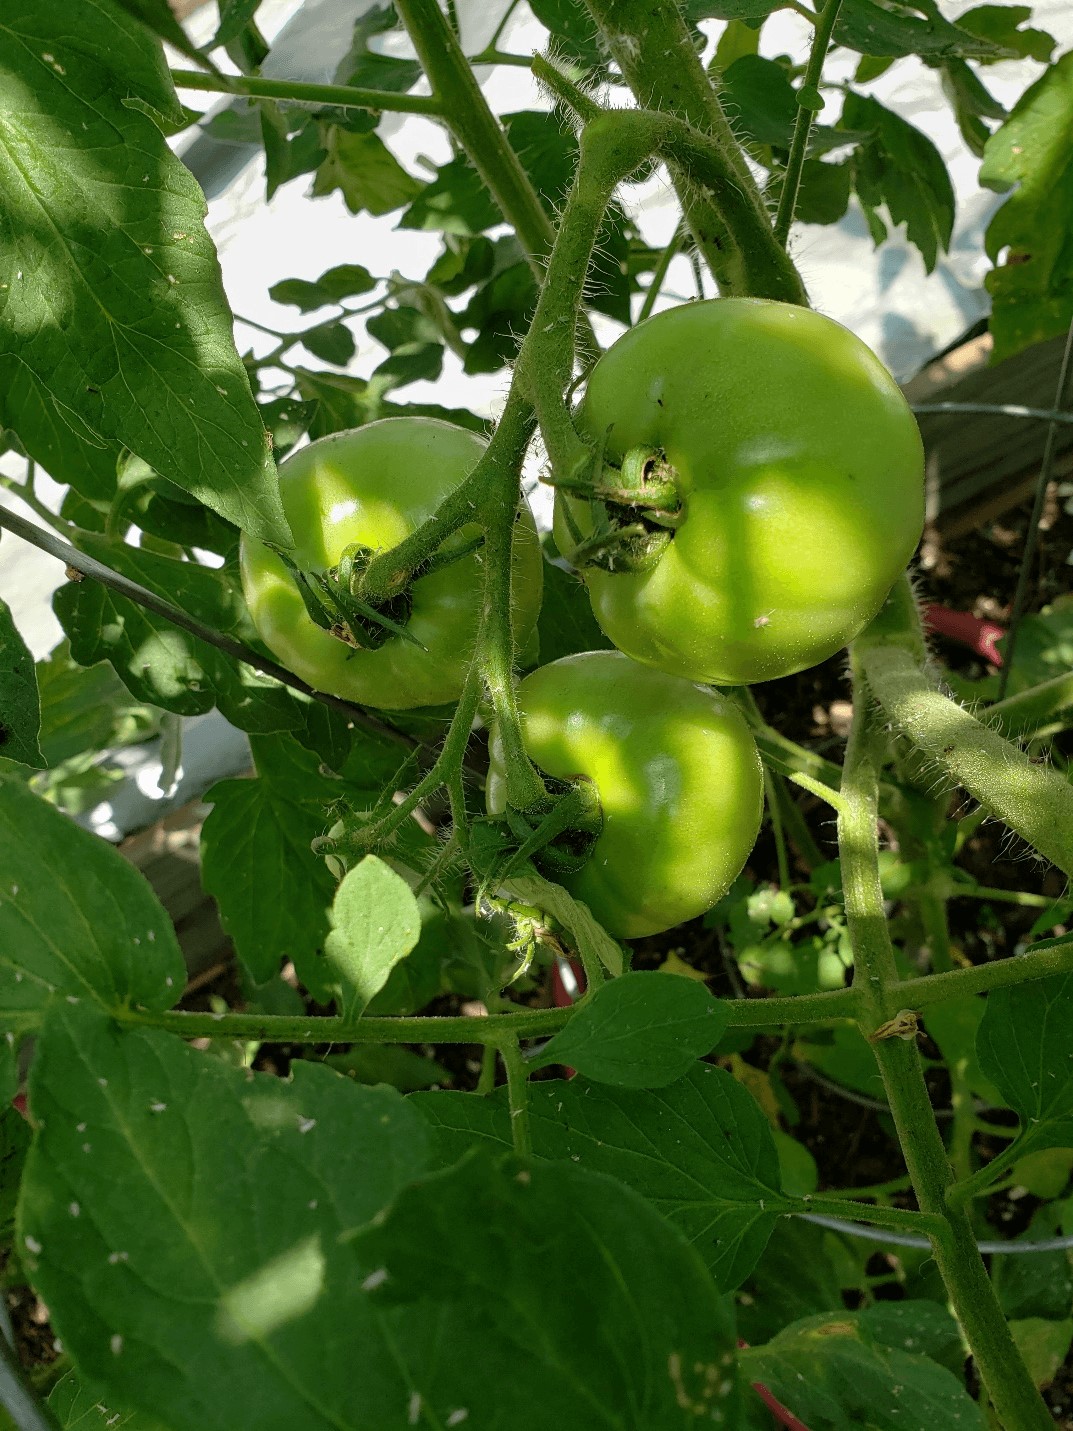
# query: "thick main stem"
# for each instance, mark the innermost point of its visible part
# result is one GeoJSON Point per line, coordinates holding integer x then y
{"type": "Point", "coordinates": [1000, 1365]}
{"type": "Point", "coordinates": [654, 50]}
{"type": "Point", "coordinates": [495, 648]}
{"type": "Point", "coordinates": [1033, 800]}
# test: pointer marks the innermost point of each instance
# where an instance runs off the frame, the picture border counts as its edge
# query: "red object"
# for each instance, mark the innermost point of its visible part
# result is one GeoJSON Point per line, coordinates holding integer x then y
{"type": "Point", "coordinates": [19, 1104]}
{"type": "Point", "coordinates": [775, 1406]}
{"type": "Point", "coordinates": [567, 981]}
{"type": "Point", "coordinates": [567, 984]}
{"type": "Point", "coordinates": [978, 635]}
{"type": "Point", "coordinates": [780, 1413]}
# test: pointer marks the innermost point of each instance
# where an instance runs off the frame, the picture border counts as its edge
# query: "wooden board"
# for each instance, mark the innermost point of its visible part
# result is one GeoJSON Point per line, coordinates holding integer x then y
{"type": "Point", "coordinates": [979, 466]}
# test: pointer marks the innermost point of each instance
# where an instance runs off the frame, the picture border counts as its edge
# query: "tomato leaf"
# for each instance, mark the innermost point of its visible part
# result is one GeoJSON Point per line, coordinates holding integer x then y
{"type": "Point", "coordinates": [365, 172]}
{"type": "Point", "coordinates": [257, 838]}
{"type": "Point", "coordinates": [333, 343]}
{"type": "Point", "coordinates": [158, 19]}
{"type": "Point", "coordinates": [235, 15]}
{"type": "Point", "coordinates": [874, 28]}
{"type": "Point", "coordinates": [20, 701]}
{"type": "Point", "coordinates": [760, 100]}
{"type": "Point", "coordinates": [587, 935]}
{"type": "Point", "coordinates": [1001, 24]}
{"type": "Point", "coordinates": [123, 328]}
{"type": "Point", "coordinates": [160, 663]}
{"type": "Point", "coordinates": [642, 1030]}
{"type": "Point", "coordinates": [189, 1223]}
{"type": "Point", "coordinates": [78, 1407]}
{"type": "Point", "coordinates": [75, 918]}
{"type": "Point", "coordinates": [700, 1150]}
{"type": "Point", "coordinates": [575, 34]}
{"type": "Point", "coordinates": [1038, 1284]}
{"type": "Point", "coordinates": [455, 202]}
{"type": "Point", "coordinates": [344, 401]}
{"type": "Point", "coordinates": [729, 9]}
{"type": "Point", "coordinates": [579, 1306]}
{"type": "Point", "coordinates": [375, 924]}
{"type": "Point", "coordinates": [1029, 239]}
{"type": "Point", "coordinates": [850, 1370]}
{"type": "Point", "coordinates": [566, 624]}
{"type": "Point", "coordinates": [370, 69]}
{"type": "Point", "coordinates": [901, 168]}
{"type": "Point", "coordinates": [1023, 1047]}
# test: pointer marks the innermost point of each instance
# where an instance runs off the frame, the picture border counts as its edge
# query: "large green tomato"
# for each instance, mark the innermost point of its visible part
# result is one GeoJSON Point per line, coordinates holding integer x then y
{"type": "Point", "coordinates": [677, 775]}
{"type": "Point", "coordinates": [372, 487]}
{"type": "Point", "coordinates": [800, 475]}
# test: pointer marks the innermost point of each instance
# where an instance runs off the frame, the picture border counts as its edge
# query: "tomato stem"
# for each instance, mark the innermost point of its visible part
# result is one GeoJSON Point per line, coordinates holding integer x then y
{"type": "Point", "coordinates": [1001, 1367]}
{"type": "Point", "coordinates": [1033, 800]}
{"type": "Point", "coordinates": [808, 102]}
{"type": "Point", "coordinates": [653, 47]}
{"type": "Point", "coordinates": [517, 1093]}
{"type": "Point", "coordinates": [316, 96]}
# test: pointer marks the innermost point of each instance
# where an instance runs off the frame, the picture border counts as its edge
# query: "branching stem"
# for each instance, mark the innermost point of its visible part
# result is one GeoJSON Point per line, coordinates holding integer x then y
{"type": "Point", "coordinates": [310, 96]}
{"type": "Point", "coordinates": [1001, 1367]}
{"type": "Point", "coordinates": [808, 100]}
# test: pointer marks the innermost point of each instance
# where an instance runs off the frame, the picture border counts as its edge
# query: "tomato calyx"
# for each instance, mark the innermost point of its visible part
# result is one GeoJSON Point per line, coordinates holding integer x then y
{"type": "Point", "coordinates": [558, 832]}
{"type": "Point", "coordinates": [333, 601]}
{"type": "Point", "coordinates": [635, 508]}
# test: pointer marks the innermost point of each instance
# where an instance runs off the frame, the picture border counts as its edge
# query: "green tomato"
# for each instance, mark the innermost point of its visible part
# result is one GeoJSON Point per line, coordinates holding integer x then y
{"type": "Point", "coordinates": [800, 475]}
{"type": "Point", "coordinates": [372, 487]}
{"type": "Point", "coordinates": [677, 775]}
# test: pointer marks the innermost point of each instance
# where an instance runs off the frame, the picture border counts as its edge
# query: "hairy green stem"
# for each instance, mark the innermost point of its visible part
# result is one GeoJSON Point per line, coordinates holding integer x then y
{"type": "Point", "coordinates": [901, 1219]}
{"type": "Point", "coordinates": [1000, 896]}
{"type": "Point", "coordinates": [495, 645]}
{"type": "Point", "coordinates": [983, 1179]}
{"type": "Point", "coordinates": [517, 1093]}
{"type": "Point", "coordinates": [653, 48]}
{"type": "Point", "coordinates": [391, 570]}
{"type": "Point", "coordinates": [1040, 963]}
{"type": "Point", "coordinates": [808, 96]}
{"type": "Point", "coordinates": [282, 1028]}
{"type": "Point", "coordinates": [1033, 800]}
{"type": "Point", "coordinates": [25, 493]}
{"type": "Point", "coordinates": [830, 1006]}
{"type": "Point", "coordinates": [319, 96]}
{"type": "Point", "coordinates": [446, 768]}
{"type": "Point", "coordinates": [1000, 1364]}
{"type": "Point", "coordinates": [1028, 554]}
{"type": "Point", "coordinates": [800, 836]}
{"type": "Point", "coordinates": [775, 816]}
{"type": "Point", "coordinates": [612, 147]}
{"type": "Point", "coordinates": [552, 78]}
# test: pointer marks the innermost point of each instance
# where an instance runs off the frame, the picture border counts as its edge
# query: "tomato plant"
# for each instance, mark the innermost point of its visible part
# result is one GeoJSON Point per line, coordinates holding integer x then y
{"type": "Point", "coordinates": [291, 1170]}
{"type": "Point", "coordinates": [676, 773]}
{"type": "Point", "coordinates": [799, 477]}
{"type": "Point", "coordinates": [366, 490]}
